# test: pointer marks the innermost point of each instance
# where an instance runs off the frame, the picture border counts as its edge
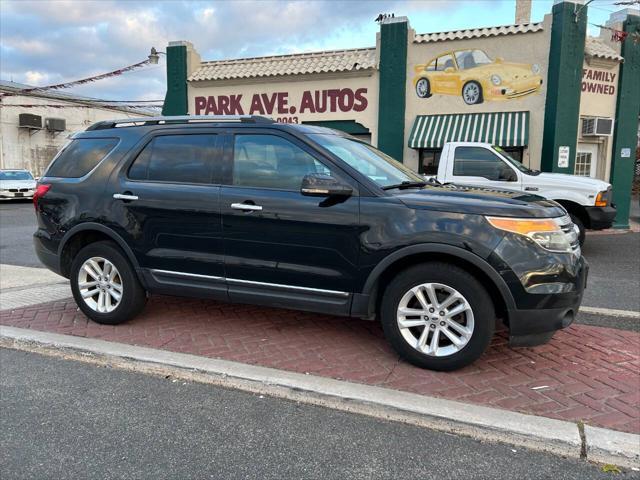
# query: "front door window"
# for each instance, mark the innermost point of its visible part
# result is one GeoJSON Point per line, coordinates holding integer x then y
{"type": "Point", "coordinates": [269, 161]}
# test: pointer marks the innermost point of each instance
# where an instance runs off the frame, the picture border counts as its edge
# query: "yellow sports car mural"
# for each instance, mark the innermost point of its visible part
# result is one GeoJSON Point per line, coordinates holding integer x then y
{"type": "Point", "coordinates": [474, 76]}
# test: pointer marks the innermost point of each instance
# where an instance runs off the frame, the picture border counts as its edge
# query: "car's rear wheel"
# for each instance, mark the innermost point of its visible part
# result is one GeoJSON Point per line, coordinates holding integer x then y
{"type": "Point", "coordinates": [472, 93]}
{"type": "Point", "coordinates": [105, 285]}
{"type": "Point", "coordinates": [438, 316]}
{"type": "Point", "coordinates": [423, 88]}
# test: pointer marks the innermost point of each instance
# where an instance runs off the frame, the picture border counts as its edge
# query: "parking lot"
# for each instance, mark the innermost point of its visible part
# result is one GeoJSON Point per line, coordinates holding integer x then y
{"type": "Point", "coordinates": [587, 373]}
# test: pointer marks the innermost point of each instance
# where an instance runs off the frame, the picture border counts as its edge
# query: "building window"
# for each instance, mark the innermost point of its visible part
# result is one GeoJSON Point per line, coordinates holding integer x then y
{"type": "Point", "coordinates": [429, 160]}
{"type": "Point", "coordinates": [583, 164]}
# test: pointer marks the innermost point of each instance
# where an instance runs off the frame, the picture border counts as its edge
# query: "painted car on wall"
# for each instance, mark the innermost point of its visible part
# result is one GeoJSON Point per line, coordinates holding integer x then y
{"type": "Point", "coordinates": [476, 77]}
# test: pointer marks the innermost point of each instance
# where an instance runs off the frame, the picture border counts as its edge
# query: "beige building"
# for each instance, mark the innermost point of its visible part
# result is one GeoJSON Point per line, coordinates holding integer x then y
{"type": "Point", "coordinates": [340, 88]}
{"type": "Point", "coordinates": [34, 125]}
{"type": "Point", "coordinates": [544, 91]}
{"type": "Point", "coordinates": [597, 108]}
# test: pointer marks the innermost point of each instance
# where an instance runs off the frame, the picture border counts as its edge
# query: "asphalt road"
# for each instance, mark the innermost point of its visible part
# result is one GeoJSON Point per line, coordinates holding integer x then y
{"type": "Point", "coordinates": [17, 224]}
{"type": "Point", "coordinates": [63, 419]}
{"type": "Point", "coordinates": [614, 278]}
{"type": "Point", "coordinates": [614, 274]}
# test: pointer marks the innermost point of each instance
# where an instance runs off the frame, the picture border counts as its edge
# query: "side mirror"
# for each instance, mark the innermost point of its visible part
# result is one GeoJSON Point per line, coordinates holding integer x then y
{"type": "Point", "coordinates": [499, 60]}
{"type": "Point", "coordinates": [449, 70]}
{"type": "Point", "coordinates": [321, 185]}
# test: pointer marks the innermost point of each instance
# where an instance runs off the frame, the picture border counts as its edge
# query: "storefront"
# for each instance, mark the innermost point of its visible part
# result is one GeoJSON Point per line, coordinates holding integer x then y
{"type": "Point", "coordinates": [545, 92]}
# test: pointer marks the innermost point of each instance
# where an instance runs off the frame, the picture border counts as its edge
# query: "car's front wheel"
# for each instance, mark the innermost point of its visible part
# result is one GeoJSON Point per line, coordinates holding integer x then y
{"type": "Point", "coordinates": [105, 285]}
{"type": "Point", "coordinates": [582, 232]}
{"type": "Point", "coordinates": [438, 316]}
{"type": "Point", "coordinates": [472, 93]}
{"type": "Point", "coordinates": [423, 88]}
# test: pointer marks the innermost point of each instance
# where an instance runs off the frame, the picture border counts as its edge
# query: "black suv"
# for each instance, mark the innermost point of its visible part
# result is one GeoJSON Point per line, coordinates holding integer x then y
{"type": "Point", "coordinates": [243, 209]}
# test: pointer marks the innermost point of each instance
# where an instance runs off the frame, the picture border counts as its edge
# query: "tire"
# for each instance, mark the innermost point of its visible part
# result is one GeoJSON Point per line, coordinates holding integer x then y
{"type": "Point", "coordinates": [472, 93]}
{"type": "Point", "coordinates": [582, 233]}
{"type": "Point", "coordinates": [481, 320]}
{"type": "Point", "coordinates": [132, 295]}
{"type": "Point", "coordinates": [423, 88]}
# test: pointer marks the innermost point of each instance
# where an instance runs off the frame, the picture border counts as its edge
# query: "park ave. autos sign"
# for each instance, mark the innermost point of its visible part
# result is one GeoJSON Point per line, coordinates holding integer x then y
{"type": "Point", "coordinates": [280, 103]}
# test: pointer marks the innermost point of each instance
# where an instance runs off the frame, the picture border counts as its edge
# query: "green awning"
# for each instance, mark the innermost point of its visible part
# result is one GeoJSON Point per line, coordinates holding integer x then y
{"type": "Point", "coordinates": [506, 129]}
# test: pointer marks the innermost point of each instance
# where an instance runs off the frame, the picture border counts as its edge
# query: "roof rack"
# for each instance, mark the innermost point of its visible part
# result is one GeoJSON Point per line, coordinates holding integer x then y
{"type": "Point", "coordinates": [178, 119]}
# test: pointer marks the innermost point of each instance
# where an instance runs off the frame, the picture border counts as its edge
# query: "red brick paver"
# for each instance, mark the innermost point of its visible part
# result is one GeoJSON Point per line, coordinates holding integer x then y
{"type": "Point", "coordinates": [585, 373]}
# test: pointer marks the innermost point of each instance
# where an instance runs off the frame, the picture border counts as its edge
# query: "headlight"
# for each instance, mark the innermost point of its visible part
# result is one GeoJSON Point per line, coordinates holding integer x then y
{"type": "Point", "coordinates": [496, 80]}
{"type": "Point", "coordinates": [546, 232]}
{"type": "Point", "coordinates": [602, 199]}
{"type": "Point", "coordinates": [535, 68]}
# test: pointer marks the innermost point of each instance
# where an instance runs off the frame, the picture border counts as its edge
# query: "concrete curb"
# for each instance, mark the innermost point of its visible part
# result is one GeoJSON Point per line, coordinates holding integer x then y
{"type": "Point", "coordinates": [484, 423]}
{"type": "Point", "coordinates": [610, 312]}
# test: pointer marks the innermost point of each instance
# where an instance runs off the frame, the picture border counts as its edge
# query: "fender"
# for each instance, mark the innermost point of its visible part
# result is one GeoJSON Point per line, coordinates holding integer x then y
{"type": "Point", "coordinates": [98, 227]}
{"type": "Point", "coordinates": [466, 255]}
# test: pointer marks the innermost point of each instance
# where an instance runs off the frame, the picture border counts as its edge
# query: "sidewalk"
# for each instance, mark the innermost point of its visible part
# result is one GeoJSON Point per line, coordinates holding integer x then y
{"type": "Point", "coordinates": [585, 373]}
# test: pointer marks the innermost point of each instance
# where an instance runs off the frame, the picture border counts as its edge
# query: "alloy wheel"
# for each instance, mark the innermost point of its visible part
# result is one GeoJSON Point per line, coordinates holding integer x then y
{"type": "Point", "coordinates": [435, 319]}
{"type": "Point", "coordinates": [422, 88]}
{"type": "Point", "coordinates": [471, 93]}
{"type": "Point", "coordinates": [100, 284]}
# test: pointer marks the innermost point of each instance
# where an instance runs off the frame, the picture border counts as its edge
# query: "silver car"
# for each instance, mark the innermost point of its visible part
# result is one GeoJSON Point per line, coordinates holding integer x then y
{"type": "Point", "coordinates": [16, 184]}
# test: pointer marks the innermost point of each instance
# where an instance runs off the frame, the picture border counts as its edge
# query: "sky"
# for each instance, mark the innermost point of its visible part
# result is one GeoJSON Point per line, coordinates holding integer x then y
{"type": "Point", "coordinates": [53, 41]}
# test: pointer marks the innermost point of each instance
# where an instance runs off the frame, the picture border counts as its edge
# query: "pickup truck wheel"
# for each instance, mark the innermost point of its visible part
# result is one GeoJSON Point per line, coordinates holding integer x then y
{"type": "Point", "coordinates": [437, 316]}
{"type": "Point", "coordinates": [582, 234]}
{"type": "Point", "coordinates": [105, 285]}
{"type": "Point", "coordinates": [423, 88]}
{"type": "Point", "coordinates": [472, 93]}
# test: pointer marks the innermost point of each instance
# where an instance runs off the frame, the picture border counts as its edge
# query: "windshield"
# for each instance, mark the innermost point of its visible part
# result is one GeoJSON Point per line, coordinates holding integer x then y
{"type": "Point", "coordinates": [15, 175]}
{"type": "Point", "coordinates": [471, 59]}
{"type": "Point", "coordinates": [512, 160]}
{"type": "Point", "coordinates": [369, 161]}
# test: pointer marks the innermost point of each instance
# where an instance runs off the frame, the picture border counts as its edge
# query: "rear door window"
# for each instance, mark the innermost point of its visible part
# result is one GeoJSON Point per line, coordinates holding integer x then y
{"type": "Point", "coordinates": [80, 156]}
{"type": "Point", "coordinates": [177, 159]}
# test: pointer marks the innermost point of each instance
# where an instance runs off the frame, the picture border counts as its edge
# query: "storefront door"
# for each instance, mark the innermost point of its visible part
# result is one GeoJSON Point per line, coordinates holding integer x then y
{"type": "Point", "coordinates": [586, 160]}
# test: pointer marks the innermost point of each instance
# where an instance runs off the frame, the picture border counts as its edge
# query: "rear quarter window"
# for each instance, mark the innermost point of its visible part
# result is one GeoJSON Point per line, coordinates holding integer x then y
{"type": "Point", "coordinates": [80, 156]}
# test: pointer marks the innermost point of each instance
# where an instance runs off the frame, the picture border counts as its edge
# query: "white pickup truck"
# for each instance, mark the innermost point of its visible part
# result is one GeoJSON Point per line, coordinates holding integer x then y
{"type": "Point", "coordinates": [587, 200]}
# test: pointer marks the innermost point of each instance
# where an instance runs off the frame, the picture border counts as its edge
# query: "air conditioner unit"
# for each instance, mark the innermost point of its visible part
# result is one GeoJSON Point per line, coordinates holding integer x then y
{"type": "Point", "coordinates": [55, 124]}
{"type": "Point", "coordinates": [28, 120]}
{"type": "Point", "coordinates": [597, 127]}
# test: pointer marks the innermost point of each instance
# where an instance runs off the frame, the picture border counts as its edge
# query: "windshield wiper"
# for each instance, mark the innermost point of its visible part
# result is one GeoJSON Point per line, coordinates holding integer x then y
{"type": "Point", "coordinates": [405, 184]}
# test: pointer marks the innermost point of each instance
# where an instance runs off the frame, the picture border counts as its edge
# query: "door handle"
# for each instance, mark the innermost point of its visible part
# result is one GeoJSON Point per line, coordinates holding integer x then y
{"type": "Point", "coordinates": [246, 207]}
{"type": "Point", "coordinates": [125, 196]}
{"type": "Point", "coordinates": [531, 189]}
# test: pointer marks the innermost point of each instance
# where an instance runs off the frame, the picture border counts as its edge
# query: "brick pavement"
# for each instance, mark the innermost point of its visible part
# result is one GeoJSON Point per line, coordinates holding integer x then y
{"type": "Point", "coordinates": [585, 373]}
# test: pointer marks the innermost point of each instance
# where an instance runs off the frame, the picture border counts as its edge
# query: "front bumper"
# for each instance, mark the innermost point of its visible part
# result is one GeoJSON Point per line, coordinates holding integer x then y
{"type": "Point", "coordinates": [516, 89]}
{"type": "Point", "coordinates": [547, 313]}
{"type": "Point", "coordinates": [601, 217]}
{"type": "Point", "coordinates": [9, 194]}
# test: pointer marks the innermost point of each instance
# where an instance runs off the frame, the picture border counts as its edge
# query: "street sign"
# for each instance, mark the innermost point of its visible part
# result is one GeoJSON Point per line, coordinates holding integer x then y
{"type": "Point", "coordinates": [563, 156]}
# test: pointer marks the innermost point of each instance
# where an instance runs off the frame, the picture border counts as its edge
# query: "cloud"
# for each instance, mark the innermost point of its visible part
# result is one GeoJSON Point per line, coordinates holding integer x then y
{"type": "Point", "coordinates": [53, 41]}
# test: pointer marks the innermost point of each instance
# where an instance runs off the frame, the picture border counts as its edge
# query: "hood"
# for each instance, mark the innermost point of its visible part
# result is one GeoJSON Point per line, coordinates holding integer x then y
{"type": "Point", "coordinates": [504, 69]}
{"type": "Point", "coordinates": [479, 201]}
{"type": "Point", "coordinates": [7, 184]}
{"type": "Point", "coordinates": [592, 185]}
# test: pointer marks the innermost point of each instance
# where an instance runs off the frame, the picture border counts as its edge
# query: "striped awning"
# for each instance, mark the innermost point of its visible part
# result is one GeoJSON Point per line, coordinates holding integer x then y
{"type": "Point", "coordinates": [506, 129]}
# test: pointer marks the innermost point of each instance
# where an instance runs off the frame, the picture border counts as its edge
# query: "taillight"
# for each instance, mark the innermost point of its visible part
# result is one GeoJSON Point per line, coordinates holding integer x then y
{"type": "Point", "coordinates": [40, 192]}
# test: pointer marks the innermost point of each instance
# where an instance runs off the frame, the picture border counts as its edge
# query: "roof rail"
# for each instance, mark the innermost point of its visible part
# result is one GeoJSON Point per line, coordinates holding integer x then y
{"type": "Point", "coordinates": [170, 120]}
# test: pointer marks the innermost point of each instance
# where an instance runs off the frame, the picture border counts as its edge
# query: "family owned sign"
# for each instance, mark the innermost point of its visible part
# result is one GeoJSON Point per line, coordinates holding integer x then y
{"type": "Point", "coordinates": [280, 103]}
